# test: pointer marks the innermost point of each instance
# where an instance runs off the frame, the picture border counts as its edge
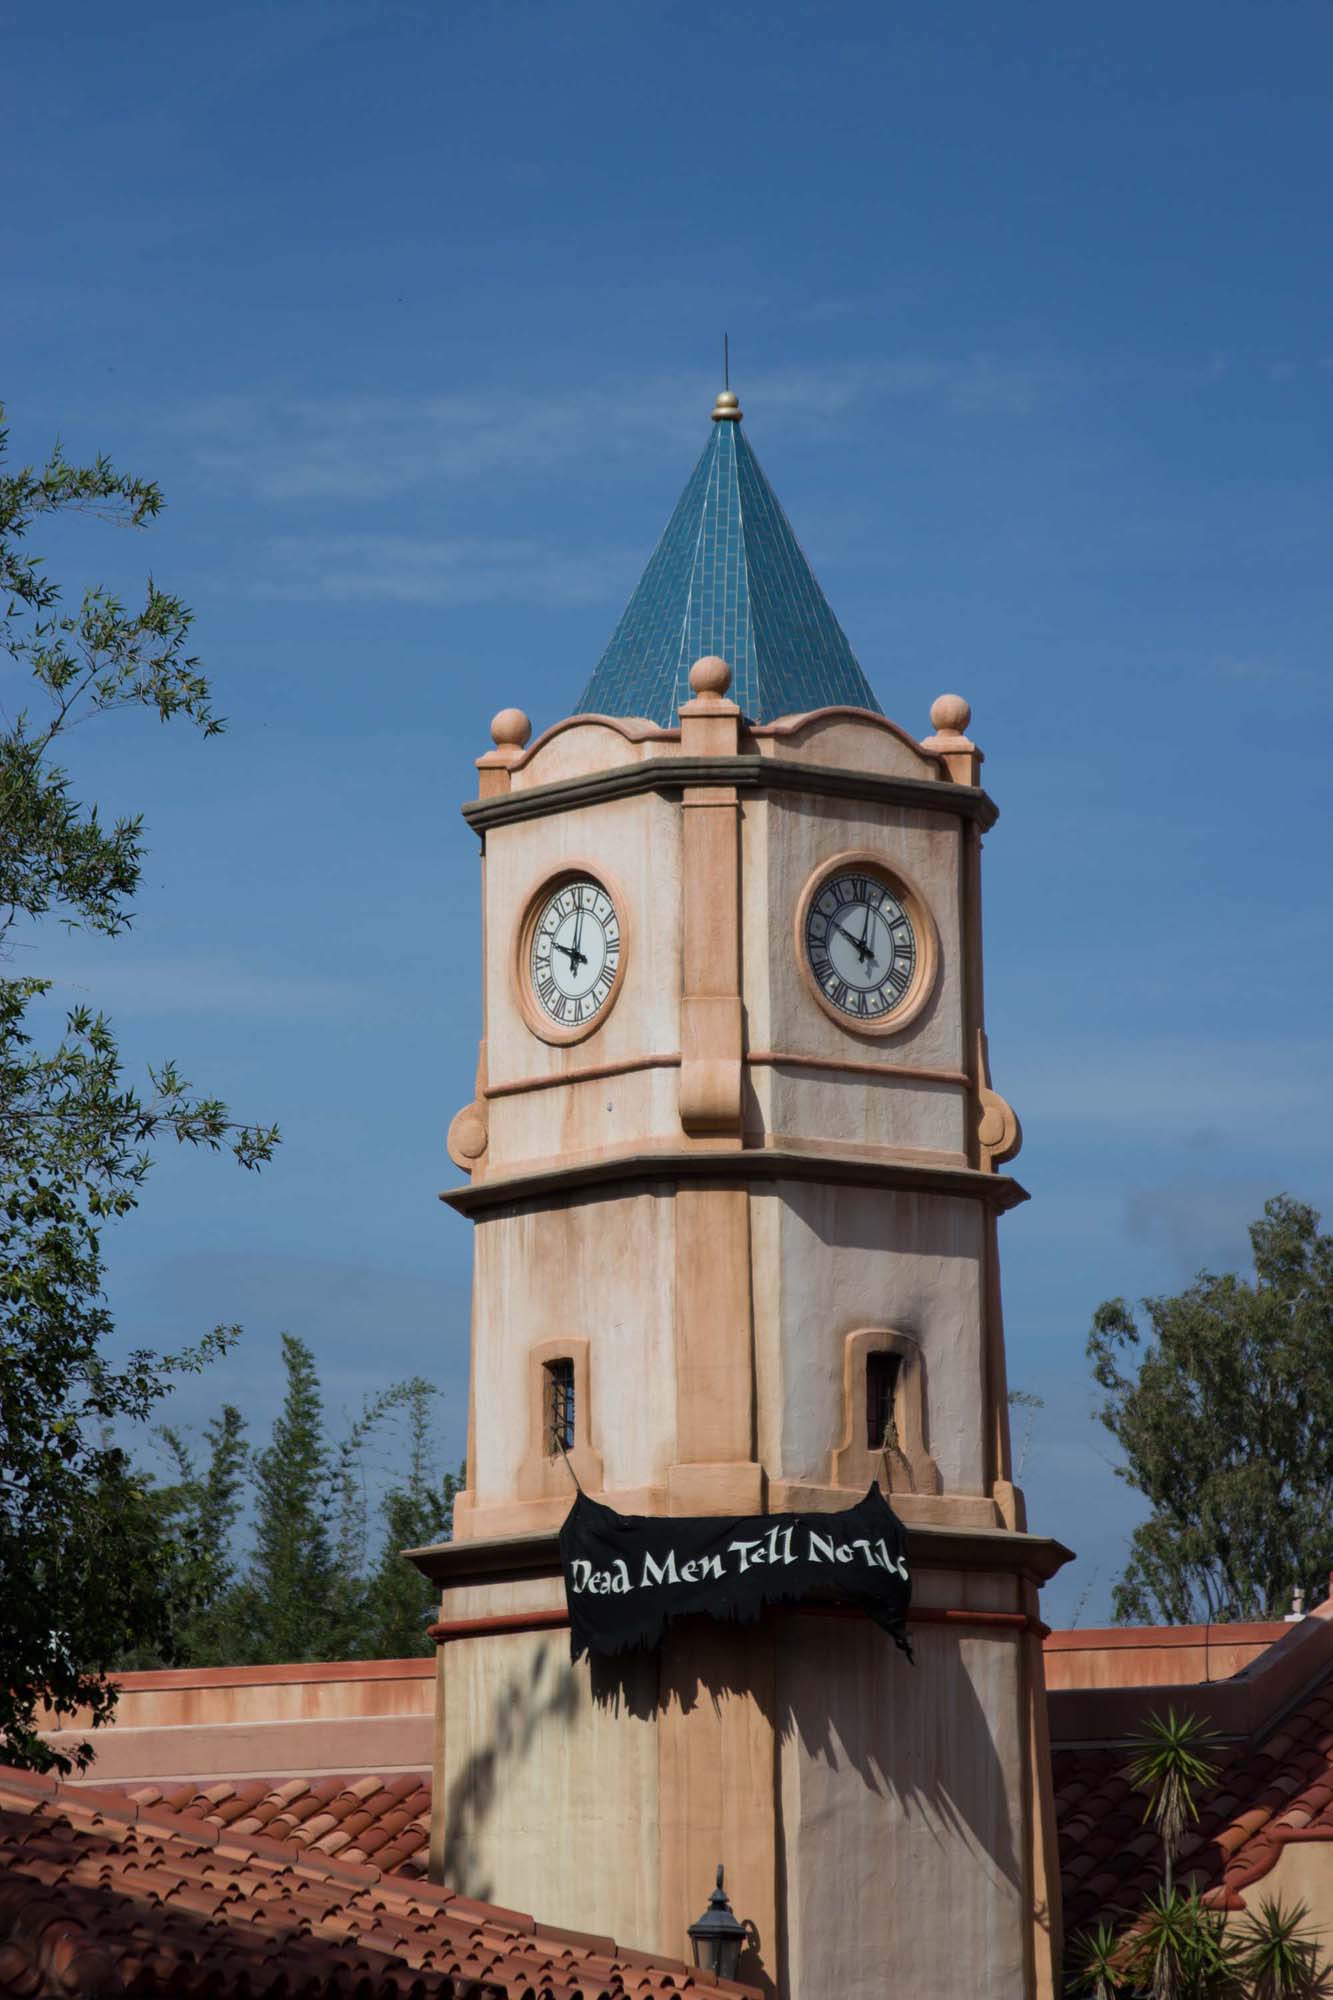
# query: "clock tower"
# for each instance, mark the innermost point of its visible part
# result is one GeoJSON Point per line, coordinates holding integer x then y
{"type": "Point", "coordinates": [734, 1165]}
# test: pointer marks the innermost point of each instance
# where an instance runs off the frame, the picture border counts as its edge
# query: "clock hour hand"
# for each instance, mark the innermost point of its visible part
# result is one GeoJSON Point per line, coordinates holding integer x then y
{"type": "Point", "coordinates": [864, 952]}
{"type": "Point", "coordinates": [572, 953]}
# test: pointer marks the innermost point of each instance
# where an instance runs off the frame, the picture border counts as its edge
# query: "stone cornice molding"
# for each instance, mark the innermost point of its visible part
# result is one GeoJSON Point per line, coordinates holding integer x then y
{"type": "Point", "coordinates": [734, 1165]}
{"type": "Point", "coordinates": [515, 1558]}
{"type": "Point", "coordinates": [747, 773]}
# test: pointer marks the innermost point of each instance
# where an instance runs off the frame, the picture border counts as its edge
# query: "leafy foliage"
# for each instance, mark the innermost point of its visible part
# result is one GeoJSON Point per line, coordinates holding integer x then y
{"type": "Point", "coordinates": [81, 1537]}
{"type": "Point", "coordinates": [1227, 1429]}
{"type": "Point", "coordinates": [1171, 1765]}
{"type": "Point", "coordinates": [312, 1586]}
{"type": "Point", "coordinates": [1178, 1947]}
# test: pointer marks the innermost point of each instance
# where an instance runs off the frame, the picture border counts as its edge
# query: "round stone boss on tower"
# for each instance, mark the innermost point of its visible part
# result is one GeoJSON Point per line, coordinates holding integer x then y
{"type": "Point", "coordinates": [733, 1165]}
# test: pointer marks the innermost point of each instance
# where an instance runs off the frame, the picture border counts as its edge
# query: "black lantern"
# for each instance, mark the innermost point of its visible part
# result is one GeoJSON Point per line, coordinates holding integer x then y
{"type": "Point", "coordinates": [716, 1939]}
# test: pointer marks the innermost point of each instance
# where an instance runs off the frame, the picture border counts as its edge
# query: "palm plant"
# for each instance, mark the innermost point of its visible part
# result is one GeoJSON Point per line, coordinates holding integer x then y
{"type": "Point", "coordinates": [1178, 1948]}
{"type": "Point", "coordinates": [1277, 1955]}
{"type": "Point", "coordinates": [1100, 1970]}
{"type": "Point", "coordinates": [1171, 1765]}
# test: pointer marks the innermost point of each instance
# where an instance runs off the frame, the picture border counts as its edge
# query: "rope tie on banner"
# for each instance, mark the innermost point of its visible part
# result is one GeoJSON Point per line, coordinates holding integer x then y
{"type": "Point", "coordinates": [559, 1443]}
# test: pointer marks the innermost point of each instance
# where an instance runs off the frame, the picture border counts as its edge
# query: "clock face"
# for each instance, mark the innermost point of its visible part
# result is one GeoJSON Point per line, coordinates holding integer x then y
{"type": "Point", "coordinates": [862, 946]}
{"type": "Point", "coordinates": [574, 957]}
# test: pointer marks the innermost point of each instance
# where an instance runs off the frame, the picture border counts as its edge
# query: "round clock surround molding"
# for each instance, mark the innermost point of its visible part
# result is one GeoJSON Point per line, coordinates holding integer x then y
{"type": "Point", "coordinates": [868, 861]}
{"type": "Point", "coordinates": [535, 1018]}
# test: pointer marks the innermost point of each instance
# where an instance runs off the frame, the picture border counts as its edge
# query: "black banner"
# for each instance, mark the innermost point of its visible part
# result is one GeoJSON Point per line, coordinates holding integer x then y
{"type": "Point", "coordinates": [626, 1575]}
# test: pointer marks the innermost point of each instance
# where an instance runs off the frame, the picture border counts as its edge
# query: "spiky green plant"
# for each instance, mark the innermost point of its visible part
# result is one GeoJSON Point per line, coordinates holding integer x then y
{"type": "Point", "coordinates": [1172, 1766]}
{"type": "Point", "coordinates": [1179, 1949]}
{"type": "Point", "coordinates": [1278, 1953]}
{"type": "Point", "coordinates": [1099, 1969]}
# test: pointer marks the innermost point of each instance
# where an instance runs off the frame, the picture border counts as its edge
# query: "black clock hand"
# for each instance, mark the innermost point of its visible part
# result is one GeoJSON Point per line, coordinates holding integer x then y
{"type": "Point", "coordinates": [572, 953]}
{"type": "Point", "coordinates": [867, 956]}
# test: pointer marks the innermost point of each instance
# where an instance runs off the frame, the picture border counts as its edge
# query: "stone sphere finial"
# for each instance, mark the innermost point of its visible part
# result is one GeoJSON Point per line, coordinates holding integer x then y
{"type": "Point", "coordinates": [511, 729]}
{"type": "Point", "coordinates": [950, 714]}
{"type": "Point", "coordinates": [710, 675]}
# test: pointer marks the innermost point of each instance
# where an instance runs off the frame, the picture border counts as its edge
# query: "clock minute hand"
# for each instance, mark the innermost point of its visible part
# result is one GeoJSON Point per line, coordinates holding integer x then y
{"type": "Point", "coordinates": [864, 952]}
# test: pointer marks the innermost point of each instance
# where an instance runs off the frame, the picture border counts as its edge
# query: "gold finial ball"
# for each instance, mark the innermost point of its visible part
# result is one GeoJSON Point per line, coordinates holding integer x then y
{"type": "Point", "coordinates": [950, 714]}
{"type": "Point", "coordinates": [511, 729]}
{"type": "Point", "coordinates": [710, 675]}
{"type": "Point", "coordinates": [727, 408]}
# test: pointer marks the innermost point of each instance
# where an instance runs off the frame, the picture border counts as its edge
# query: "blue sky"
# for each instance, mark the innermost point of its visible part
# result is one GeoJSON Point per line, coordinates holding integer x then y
{"type": "Point", "coordinates": [416, 310]}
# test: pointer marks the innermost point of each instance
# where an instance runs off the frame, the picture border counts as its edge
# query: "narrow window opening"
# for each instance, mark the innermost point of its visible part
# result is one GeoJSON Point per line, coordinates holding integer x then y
{"type": "Point", "coordinates": [881, 1395]}
{"type": "Point", "coordinates": [559, 1406]}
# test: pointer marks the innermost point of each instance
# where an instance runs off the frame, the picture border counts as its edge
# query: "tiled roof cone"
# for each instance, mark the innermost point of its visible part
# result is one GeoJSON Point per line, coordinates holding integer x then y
{"type": "Point", "coordinates": [729, 578]}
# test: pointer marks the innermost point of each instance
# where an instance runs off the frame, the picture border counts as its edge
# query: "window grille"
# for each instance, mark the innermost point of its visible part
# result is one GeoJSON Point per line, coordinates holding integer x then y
{"type": "Point", "coordinates": [881, 1394]}
{"type": "Point", "coordinates": [559, 1406]}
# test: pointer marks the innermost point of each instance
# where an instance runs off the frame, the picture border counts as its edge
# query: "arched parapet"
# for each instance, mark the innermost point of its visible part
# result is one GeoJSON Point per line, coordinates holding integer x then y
{"type": "Point", "coordinates": [582, 744]}
{"type": "Point", "coordinates": [847, 738]}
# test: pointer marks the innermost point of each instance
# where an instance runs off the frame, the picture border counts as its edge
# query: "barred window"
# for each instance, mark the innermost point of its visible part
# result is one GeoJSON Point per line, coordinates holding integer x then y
{"type": "Point", "coordinates": [881, 1393]}
{"type": "Point", "coordinates": [559, 1406]}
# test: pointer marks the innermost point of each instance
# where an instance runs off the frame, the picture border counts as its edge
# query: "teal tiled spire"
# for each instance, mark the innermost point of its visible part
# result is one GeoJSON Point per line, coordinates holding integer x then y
{"type": "Point", "coordinates": [727, 577]}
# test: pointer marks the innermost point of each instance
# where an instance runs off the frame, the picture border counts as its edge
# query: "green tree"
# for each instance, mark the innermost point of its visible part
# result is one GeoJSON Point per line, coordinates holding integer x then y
{"type": "Point", "coordinates": [199, 1514]}
{"type": "Point", "coordinates": [1227, 1429]}
{"type": "Point", "coordinates": [317, 1581]}
{"type": "Point", "coordinates": [82, 1561]}
{"type": "Point", "coordinates": [292, 1586]}
{"type": "Point", "coordinates": [306, 1594]}
{"type": "Point", "coordinates": [399, 1600]}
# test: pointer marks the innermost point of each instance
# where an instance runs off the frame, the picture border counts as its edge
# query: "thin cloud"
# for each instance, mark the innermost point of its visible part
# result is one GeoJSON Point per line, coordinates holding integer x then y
{"type": "Point", "coordinates": [1201, 1222]}
{"type": "Point", "coordinates": [424, 569]}
{"type": "Point", "coordinates": [369, 447]}
{"type": "Point", "coordinates": [202, 987]}
{"type": "Point", "coordinates": [1250, 671]}
{"type": "Point", "coordinates": [1171, 1089]}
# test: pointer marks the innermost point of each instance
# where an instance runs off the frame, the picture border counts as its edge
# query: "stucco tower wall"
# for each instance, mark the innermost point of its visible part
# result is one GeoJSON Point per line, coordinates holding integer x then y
{"type": "Point", "coordinates": [713, 1208]}
{"type": "Point", "coordinates": [828, 1260]}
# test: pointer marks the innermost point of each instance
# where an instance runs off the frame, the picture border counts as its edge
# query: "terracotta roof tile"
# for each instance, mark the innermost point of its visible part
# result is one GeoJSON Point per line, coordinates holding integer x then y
{"type": "Point", "coordinates": [162, 1894]}
{"type": "Point", "coordinates": [1274, 1789]}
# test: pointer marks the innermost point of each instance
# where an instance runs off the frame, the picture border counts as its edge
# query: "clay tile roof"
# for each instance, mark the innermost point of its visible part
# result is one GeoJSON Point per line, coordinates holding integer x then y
{"type": "Point", "coordinates": [1274, 1789]}
{"type": "Point", "coordinates": [161, 1895]}
{"type": "Point", "coordinates": [352, 1818]}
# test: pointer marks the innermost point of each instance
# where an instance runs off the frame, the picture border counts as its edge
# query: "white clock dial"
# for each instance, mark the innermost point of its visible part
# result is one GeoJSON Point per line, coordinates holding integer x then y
{"type": "Point", "coordinates": [861, 946]}
{"type": "Point", "coordinates": [575, 953]}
